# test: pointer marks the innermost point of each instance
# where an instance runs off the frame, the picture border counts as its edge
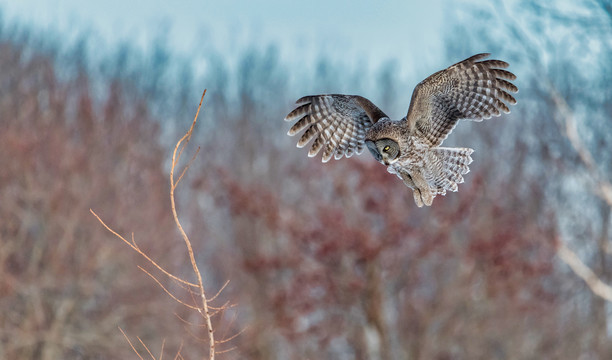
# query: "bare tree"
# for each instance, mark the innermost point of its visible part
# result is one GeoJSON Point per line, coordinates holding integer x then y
{"type": "Point", "coordinates": [201, 304]}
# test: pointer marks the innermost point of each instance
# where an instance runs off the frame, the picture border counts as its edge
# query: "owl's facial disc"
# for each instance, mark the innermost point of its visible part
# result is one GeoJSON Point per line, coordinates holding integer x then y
{"type": "Point", "coordinates": [388, 150]}
{"type": "Point", "coordinates": [374, 150]}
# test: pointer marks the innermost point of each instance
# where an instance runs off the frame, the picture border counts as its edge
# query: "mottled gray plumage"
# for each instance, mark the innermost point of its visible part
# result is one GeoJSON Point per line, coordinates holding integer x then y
{"type": "Point", "coordinates": [341, 125]}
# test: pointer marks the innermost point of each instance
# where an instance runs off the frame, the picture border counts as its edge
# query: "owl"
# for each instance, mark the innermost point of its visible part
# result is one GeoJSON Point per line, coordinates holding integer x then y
{"type": "Point", "coordinates": [343, 125]}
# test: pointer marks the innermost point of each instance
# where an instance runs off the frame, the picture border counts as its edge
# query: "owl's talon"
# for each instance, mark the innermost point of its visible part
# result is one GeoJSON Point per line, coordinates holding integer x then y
{"type": "Point", "coordinates": [417, 197]}
{"type": "Point", "coordinates": [428, 199]}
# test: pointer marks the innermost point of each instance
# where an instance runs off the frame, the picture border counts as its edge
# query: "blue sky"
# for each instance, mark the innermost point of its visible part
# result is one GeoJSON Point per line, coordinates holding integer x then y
{"type": "Point", "coordinates": [370, 31]}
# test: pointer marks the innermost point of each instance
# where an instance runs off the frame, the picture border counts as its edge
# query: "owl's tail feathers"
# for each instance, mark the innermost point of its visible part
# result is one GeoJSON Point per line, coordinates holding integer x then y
{"type": "Point", "coordinates": [455, 163]}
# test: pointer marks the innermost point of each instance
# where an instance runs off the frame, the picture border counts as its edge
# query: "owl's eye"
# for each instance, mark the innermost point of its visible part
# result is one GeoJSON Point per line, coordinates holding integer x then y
{"type": "Point", "coordinates": [386, 148]}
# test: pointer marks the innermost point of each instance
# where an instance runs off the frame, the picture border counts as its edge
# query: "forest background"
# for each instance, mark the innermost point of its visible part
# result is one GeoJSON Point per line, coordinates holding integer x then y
{"type": "Point", "coordinates": [324, 260]}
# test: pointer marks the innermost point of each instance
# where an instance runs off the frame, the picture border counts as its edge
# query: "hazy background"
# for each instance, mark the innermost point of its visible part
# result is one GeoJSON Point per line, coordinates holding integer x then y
{"type": "Point", "coordinates": [357, 31]}
{"type": "Point", "coordinates": [330, 261]}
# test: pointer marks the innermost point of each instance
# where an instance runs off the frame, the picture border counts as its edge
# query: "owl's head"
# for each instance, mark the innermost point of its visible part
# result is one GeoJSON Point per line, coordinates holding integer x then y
{"type": "Point", "coordinates": [385, 150]}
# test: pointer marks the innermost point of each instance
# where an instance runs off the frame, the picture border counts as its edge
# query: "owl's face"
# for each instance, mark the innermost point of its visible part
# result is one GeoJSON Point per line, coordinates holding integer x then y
{"type": "Point", "coordinates": [385, 150]}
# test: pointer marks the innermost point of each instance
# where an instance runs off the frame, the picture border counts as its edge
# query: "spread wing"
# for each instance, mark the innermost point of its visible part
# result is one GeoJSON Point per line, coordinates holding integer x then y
{"type": "Point", "coordinates": [337, 123]}
{"type": "Point", "coordinates": [473, 89]}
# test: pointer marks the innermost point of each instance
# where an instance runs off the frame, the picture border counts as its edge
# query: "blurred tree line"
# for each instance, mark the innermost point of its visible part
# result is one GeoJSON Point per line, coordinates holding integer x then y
{"type": "Point", "coordinates": [325, 260]}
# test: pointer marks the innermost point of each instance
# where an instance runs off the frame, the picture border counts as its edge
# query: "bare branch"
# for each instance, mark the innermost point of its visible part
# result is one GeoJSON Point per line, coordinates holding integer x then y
{"type": "Point", "coordinates": [567, 123]}
{"type": "Point", "coordinates": [128, 340]}
{"type": "Point", "coordinates": [161, 354]}
{"type": "Point", "coordinates": [187, 166]}
{"type": "Point", "coordinates": [178, 353]}
{"type": "Point", "coordinates": [218, 292]}
{"type": "Point", "coordinates": [194, 265]}
{"type": "Point", "coordinates": [204, 308]}
{"type": "Point", "coordinates": [168, 292]}
{"type": "Point", "coordinates": [143, 254]}
{"type": "Point", "coordinates": [145, 346]}
{"type": "Point", "coordinates": [232, 337]}
{"type": "Point", "coordinates": [226, 350]}
{"type": "Point", "coordinates": [223, 307]}
{"type": "Point", "coordinates": [186, 138]}
{"type": "Point", "coordinates": [598, 287]}
{"type": "Point", "coordinates": [187, 322]}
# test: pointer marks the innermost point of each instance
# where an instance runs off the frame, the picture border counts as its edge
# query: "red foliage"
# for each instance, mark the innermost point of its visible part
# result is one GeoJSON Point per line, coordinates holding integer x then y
{"type": "Point", "coordinates": [65, 285]}
{"type": "Point", "coordinates": [336, 262]}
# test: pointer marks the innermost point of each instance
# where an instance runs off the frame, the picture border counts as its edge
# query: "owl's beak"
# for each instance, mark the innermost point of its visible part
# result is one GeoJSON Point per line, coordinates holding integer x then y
{"type": "Point", "coordinates": [386, 161]}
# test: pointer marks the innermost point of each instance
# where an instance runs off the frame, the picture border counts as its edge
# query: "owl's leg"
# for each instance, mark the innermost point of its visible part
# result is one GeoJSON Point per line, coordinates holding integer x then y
{"type": "Point", "coordinates": [406, 178]}
{"type": "Point", "coordinates": [417, 197]}
{"type": "Point", "coordinates": [409, 181]}
{"type": "Point", "coordinates": [426, 195]}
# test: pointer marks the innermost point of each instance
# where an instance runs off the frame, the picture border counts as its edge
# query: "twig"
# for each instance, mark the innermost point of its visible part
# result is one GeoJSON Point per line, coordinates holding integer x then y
{"type": "Point", "coordinates": [223, 307]}
{"type": "Point", "coordinates": [129, 342]}
{"type": "Point", "coordinates": [598, 287]}
{"type": "Point", "coordinates": [218, 292]}
{"type": "Point", "coordinates": [167, 291]}
{"type": "Point", "coordinates": [567, 123]}
{"type": "Point", "coordinates": [187, 322]}
{"type": "Point", "coordinates": [187, 166]}
{"type": "Point", "coordinates": [178, 353]}
{"type": "Point", "coordinates": [146, 347]}
{"type": "Point", "coordinates": [226, 350]}
{"type": "Point", "coordinates": [232, 337]}
{"type": "Point", "coordinates": [142, 253]}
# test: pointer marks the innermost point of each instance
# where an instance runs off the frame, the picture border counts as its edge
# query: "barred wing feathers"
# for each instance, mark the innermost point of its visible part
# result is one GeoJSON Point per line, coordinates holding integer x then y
{"type": "Point", "coordinates": [337, 123]}
{"type": "Point", "coordinates": [473, 89]}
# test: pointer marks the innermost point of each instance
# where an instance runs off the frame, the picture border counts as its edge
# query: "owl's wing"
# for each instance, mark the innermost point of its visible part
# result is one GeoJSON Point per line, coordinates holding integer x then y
{"type": "Point", "coordinates": [337, 123]}
{"type": "Point", "coordinates": [473, 89]}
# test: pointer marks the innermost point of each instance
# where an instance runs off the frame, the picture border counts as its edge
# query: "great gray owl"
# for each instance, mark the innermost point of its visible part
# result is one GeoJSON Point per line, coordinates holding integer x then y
{"type": "Point", "coordinates": [342, 125]}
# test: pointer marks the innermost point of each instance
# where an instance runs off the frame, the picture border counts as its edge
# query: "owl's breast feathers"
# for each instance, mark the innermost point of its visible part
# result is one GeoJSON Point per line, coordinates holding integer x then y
{"type": "Point", "coordinates": [413, 151]}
